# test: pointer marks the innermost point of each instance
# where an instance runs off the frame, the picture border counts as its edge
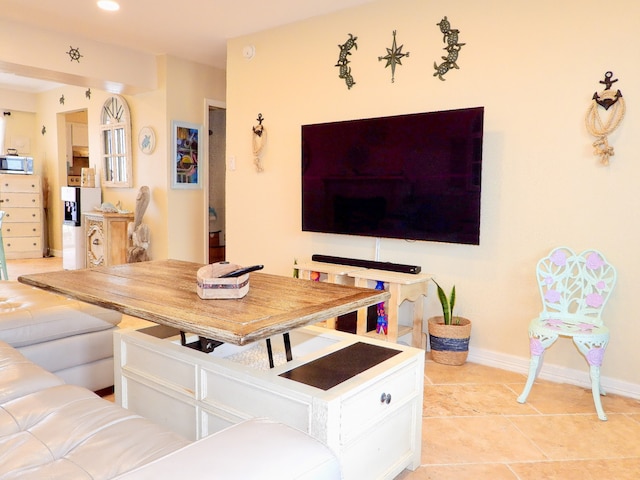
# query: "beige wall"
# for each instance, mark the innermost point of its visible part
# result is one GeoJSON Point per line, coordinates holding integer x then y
{"type": "Point", "coordinates": [187, 86]}
{"type": "Point", "coordinates": [534, 67]}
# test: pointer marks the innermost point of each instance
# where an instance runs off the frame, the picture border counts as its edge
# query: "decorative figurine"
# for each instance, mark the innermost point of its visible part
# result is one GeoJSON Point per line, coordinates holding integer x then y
{"type": "Point", "coordinates": [382, 324]}
{"type": "Point", "coordinates": [138, 232]}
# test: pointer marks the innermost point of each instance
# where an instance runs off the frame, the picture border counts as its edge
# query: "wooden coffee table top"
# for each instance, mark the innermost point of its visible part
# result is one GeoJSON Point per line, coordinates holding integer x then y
{"type": "Point", "coordinates": [164, 291]}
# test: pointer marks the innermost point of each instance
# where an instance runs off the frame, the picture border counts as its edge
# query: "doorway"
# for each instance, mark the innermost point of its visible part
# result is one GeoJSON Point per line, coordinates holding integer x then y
{"type": "Point", "coordinates": [217, 179]}
{"type": "Point", "coordinates": [77, 146]}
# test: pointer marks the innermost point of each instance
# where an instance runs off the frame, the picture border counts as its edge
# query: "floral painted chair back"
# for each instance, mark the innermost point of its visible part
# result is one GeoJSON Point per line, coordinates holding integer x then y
{"type": "Point", "coordinates": [574, 290]}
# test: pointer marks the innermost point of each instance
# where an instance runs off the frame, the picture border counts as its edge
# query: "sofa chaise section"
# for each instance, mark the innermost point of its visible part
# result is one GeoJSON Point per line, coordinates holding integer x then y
{"type": "Point", "coordinates": [72, 339]}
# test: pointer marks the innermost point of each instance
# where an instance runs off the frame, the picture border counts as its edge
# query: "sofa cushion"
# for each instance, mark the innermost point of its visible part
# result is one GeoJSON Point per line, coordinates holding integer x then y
{"type": "Point", "coordinates": [19, 377]}
{"type": "Point", "coordinates": [255, 449]}
{"type": "Point", "coordinates": [30, 315]}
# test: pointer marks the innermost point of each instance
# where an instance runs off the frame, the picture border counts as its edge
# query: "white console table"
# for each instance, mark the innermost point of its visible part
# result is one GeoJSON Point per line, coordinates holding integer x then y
{"type": "Point", "coordinates": [372, 419]}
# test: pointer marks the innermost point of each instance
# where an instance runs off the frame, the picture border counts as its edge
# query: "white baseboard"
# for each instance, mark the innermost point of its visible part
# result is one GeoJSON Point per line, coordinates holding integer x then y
{"type": "Point", "coordinates": [553, 373]}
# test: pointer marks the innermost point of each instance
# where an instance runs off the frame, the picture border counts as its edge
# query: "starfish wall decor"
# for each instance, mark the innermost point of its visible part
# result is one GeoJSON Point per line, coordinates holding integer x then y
{"type": "Point", "coordinates": [393, 57]}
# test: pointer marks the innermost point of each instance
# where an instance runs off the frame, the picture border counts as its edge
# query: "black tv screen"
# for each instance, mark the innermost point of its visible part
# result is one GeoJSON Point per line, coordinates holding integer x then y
{"type": "Point", "coordinates": [414, 177]}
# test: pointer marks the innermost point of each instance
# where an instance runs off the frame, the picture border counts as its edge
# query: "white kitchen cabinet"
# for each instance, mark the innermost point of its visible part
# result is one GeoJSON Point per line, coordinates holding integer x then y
{"type": "Point", "coordinates": [372, 420]}
{"type": "Point", "coordinates": [22, 227]}
{"type": "Point", "coordinates": [78, 134]}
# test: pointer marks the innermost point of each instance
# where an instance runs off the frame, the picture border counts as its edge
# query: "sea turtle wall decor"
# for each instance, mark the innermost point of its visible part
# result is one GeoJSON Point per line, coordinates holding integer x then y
{"type": "Point", "coordinates": [343, 61]}
{"type": "Point", "coordinates": [450, 37]}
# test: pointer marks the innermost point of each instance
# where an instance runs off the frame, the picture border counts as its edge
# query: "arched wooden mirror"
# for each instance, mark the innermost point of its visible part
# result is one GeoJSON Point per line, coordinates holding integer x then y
{"type": "Point", "coordinates": [115, 126]}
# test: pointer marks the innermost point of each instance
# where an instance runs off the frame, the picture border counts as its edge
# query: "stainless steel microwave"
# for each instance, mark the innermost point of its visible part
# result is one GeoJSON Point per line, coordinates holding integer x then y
{"type": "Point", "coordinates": [16, 164]}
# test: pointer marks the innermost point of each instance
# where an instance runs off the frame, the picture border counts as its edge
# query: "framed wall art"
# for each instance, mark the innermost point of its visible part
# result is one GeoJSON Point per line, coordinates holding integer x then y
{"type": "Point", "coordinates": [185, 155]}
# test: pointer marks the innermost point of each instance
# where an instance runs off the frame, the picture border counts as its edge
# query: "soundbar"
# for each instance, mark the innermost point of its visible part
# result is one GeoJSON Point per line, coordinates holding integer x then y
{"type": "Point", "coordinates": [355, 262]}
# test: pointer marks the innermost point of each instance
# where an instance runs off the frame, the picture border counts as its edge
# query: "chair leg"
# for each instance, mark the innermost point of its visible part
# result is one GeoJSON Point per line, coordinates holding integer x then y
{"type": "Point", "coordinates": [3, 263]}
{"type": "Point", "coordinates": [537, 346]}
{"type": "Point", "coordinates": [594, 371]}
{"type": "Point", "coordinates": [593, 350]}
{"type": "Point", "coordinates": [534, 368]}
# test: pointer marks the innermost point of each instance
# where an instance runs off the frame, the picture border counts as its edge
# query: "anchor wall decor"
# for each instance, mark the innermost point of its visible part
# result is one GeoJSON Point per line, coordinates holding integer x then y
{"type": "Point", "coordinates": [602, 128]}
{"type": "Point", "coordinates": [259, 142]}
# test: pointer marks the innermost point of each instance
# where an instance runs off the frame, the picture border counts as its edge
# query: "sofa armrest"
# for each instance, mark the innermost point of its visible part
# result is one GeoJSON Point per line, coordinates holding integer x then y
{"type": "Point", "coordinates": [251, 450]}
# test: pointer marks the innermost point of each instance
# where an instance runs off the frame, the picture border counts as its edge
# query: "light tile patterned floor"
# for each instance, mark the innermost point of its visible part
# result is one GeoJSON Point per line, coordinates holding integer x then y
{"type": "Point", "coordinates": [474, 429]}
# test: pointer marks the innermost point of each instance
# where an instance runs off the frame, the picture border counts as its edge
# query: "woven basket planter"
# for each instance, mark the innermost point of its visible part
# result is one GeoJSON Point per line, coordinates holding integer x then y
{"type": "Point", "coordinates": [449, 343]}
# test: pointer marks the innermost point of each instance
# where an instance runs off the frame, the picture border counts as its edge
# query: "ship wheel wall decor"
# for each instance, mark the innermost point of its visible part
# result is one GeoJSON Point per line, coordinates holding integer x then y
{"type": "Point", "coordinates": [597, 126]}
{"type": "Point", "coordinates": [74, 54]}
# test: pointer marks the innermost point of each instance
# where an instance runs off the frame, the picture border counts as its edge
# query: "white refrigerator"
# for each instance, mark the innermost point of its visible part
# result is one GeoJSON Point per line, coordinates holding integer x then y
{"type": "Point", "coordinates": [76, 200]}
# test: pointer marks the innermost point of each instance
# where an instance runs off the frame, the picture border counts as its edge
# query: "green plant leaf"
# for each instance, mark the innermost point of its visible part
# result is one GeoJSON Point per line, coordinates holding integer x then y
{"type": "Point", "coordinates": [452, 300]}
{"type": "Point", "coordinates": [444, 302]}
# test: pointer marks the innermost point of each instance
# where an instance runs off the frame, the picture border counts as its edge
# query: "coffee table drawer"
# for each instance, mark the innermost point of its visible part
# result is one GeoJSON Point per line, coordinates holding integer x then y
{"type": "Point", "coordinates": [379, 399]}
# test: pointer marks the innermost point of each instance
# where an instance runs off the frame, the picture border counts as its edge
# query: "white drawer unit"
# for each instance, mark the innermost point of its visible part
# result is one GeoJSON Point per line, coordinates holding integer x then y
{"type": "Point", "coordinates": [360, 396]}
{"type": "Point", "coordinates": [22, 230]}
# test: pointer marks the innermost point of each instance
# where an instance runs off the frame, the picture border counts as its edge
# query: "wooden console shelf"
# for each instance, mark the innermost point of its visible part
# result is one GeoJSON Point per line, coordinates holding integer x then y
{"type": "Point", "coordinates": [402, 287]}
{"type": "Point", "coordinates": [326, 272]}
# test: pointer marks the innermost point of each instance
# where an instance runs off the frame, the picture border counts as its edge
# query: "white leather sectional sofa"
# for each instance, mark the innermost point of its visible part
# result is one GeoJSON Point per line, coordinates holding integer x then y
{"type": "Point", "coordinates": [72, 339]}
{"type": "Point", "coordinates": [51, 430]}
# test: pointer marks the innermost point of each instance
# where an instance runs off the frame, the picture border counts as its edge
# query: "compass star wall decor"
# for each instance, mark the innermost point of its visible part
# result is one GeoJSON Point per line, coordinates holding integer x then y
{"type": "Point", "coordinates": [393, 57]}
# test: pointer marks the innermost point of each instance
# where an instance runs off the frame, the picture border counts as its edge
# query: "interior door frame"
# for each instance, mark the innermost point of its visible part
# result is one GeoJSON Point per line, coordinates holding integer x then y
{"type": "Point", "coordinates": [208, 104]}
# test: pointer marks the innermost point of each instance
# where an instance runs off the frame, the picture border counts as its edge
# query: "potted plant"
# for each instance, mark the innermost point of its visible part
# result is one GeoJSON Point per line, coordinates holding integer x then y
{"type": "Point", "coordinates": [448, 334]}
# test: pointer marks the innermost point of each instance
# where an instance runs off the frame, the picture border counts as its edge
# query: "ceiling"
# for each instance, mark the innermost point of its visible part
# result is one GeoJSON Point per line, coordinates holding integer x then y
{"type": "Point", "coordinates": [196, 30]}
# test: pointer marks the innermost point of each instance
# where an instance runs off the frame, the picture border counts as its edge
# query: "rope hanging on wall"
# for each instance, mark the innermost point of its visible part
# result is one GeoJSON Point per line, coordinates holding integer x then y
{"type": "Point", "coordinates": [595, 124]}
{"type": "Point", "coordinates": [258, 143]}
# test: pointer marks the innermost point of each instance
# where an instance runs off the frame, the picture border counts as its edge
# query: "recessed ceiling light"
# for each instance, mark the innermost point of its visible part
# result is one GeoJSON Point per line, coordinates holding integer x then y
{"type": "Point", "coordinates": [109, 5]}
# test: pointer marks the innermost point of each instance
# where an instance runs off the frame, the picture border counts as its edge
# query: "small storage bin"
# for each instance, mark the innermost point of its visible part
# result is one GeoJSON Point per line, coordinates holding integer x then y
{"type": "Point", "coordinates": [211, 286]}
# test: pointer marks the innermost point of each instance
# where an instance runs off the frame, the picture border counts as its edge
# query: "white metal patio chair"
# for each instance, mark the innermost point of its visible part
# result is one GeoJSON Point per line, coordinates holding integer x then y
{"type": "Point", "coordinates": [574, 290]}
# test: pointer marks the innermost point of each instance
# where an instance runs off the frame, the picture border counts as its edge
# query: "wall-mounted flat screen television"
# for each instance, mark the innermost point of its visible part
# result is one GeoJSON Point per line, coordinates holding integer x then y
{"type": "Point", "coordinates": [414, 177]}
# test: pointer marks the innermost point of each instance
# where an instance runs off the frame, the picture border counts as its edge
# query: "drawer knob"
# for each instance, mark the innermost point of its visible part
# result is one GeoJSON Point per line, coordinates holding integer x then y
{"type": "Point", "coordinates": [385, 398]}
